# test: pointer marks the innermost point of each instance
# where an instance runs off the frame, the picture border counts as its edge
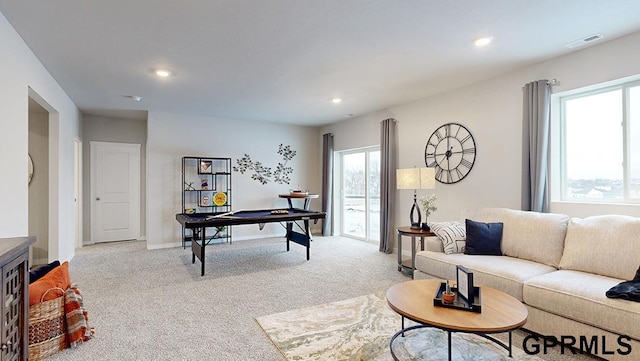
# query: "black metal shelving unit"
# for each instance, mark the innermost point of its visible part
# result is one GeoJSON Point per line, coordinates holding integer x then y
{"type": "Point", "coordinates": [206, 190]}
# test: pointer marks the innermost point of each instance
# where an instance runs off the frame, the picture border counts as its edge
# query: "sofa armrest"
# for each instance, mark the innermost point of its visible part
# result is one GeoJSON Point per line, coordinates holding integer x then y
{"type": "Point", "coordinates": [433, 244]}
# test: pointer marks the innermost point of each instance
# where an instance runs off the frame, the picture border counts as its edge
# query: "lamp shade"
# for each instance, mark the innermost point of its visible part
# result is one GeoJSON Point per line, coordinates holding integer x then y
{"type": "Point", "coordinates": [408, 178]}
{"type": "Point", "coordinates": [416, 178]}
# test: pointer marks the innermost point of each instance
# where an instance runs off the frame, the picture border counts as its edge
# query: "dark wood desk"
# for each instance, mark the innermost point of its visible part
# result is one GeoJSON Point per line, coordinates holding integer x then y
{"type": "Point", "coordinates": [203, 220]}
{"type": "Point", "coordinates": [299, 195]}
{"type": "Point", "coordinates": [410, 264]}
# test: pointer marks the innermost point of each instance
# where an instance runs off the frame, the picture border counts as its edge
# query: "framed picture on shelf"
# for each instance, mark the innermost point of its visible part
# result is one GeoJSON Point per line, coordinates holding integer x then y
{"type": "Point", "coordinates": [205, 167]}
{"type": "Point", "coordinates": [205, 200]}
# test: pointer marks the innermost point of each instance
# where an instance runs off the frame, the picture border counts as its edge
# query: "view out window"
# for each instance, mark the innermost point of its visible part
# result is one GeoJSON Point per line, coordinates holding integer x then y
{"type": "Point", "coordinates": [601, 144]}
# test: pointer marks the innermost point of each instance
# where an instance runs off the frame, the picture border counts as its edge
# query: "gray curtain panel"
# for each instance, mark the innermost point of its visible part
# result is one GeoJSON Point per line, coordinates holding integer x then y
{"type": "Point", "coordinates": [535, 146]}
{"type": "Point", "coordinates": [327, 182]}
{"type": "Point", "coordinates": [388, 154]}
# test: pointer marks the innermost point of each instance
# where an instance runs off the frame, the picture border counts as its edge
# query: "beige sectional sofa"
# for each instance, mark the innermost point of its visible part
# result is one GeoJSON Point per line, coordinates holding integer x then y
{"type": "Point", "coordinates": [560, 268]}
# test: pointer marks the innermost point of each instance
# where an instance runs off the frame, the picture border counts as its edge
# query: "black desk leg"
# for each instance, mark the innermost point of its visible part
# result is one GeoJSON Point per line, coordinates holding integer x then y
{"type": "Point", "coordinates": [306, 227]}
{"type": "Point", "coordinates": [202, 252]}
{"type": "Point", "coordinates": [449, 342]}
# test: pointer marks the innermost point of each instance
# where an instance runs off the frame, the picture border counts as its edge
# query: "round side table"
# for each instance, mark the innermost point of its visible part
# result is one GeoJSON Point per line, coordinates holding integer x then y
{"type": "Point", "coordinates": [409, 265]}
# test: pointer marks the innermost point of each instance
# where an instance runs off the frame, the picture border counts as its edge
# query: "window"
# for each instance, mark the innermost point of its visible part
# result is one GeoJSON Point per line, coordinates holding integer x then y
{"type": "Point", "coordinates": [600, 144]}
{"type": "Point", "coordinates": [361, 194]}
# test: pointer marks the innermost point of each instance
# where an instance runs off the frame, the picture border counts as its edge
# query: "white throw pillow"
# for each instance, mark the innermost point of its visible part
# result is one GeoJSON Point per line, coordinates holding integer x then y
{"type": "Point", "coordinates": [452, 234]}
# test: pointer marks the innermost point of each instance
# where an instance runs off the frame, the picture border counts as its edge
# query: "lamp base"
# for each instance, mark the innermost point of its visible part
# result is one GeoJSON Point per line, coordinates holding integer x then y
{"type": "Point", "coordinates": [415, 209]}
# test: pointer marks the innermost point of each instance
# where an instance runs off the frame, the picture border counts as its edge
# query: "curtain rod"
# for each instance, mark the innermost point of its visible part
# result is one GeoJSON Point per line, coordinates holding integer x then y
{"type": "Point", "coordinates": [551, 82]}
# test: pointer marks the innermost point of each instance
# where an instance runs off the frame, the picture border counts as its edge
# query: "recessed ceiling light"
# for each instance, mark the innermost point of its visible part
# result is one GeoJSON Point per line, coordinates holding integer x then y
{"type": "Point", "coordinates": [336, 100]}
{"type": "Point", "coordinates": [163, 73]}
{"type": "Point", "coordinates": [483, 41]}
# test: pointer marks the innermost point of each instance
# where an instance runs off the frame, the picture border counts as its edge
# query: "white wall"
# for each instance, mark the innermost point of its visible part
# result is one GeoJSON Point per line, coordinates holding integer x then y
{"type": "Point", "coordinates": [21, 71]}
{"type": "Point", "coordinates": [172, 136]}
{"type": "Point", "coordinates": [492, 110]}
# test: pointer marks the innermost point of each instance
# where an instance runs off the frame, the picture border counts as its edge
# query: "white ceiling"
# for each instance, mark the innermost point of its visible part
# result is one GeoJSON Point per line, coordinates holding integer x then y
{"type": "Point", "coordinates": [283, 60]}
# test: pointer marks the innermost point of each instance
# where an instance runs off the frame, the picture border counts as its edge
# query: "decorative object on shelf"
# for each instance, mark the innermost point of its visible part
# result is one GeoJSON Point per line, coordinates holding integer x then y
{"type": "Point", "coordinates": [188, 186]}
{"type": "Point", "coordinates": [415, 178]}
{"type": "Point", "coordinates": [190, 211]}
{"type": "Point", "coordinates": [205, 201]}
{"type": "Point", "coordinates": [428, 204]}
{"type": "Point", "coordinates": [30, 169]}
{"type": "Point", "coordinates": [264, 174]}
{"type": "Point", "coordinates": [204, 184]}
{"type": "Point", "coordinates": [205, 167]}
{"type": "Point", "coordinates": [451, 150]}
{"type": "Point", "coordinates": [220, 199]}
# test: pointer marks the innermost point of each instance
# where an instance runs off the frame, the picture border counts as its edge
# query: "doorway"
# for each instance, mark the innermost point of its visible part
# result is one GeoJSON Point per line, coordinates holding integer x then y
{"type": "Point", "coordinates": [38, 182]}
{"type": "Point", "coordinates": [360, 201]}
{"type": "Point", "coordinates": [115, 191]}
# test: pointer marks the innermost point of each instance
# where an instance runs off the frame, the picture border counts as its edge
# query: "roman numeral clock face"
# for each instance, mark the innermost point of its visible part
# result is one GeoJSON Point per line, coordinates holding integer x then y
{"type": "Point", "coordinates": [451, 150]}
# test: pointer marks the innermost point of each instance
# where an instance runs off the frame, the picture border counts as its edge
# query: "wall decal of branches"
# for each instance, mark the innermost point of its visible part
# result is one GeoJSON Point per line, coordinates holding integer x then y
{"type": "Point", "coordinates": [264, 174]}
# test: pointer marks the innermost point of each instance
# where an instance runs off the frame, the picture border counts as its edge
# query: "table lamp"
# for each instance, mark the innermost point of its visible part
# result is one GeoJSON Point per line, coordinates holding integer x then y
{"type": "Point", "coordinates": [415, 178]}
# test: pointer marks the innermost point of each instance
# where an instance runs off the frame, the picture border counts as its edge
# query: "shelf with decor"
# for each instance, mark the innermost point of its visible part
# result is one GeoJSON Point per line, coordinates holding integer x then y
{"type": "Point", "coordinates": [206, 190]}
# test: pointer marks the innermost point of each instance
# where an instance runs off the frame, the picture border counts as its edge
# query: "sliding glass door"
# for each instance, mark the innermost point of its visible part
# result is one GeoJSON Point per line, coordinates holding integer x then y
{"type": "Point", "coordinates": [360, 201]}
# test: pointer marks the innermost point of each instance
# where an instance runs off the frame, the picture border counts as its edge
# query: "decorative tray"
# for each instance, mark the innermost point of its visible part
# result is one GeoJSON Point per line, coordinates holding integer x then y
{"type": "Point", "coordinates": [459, 303]}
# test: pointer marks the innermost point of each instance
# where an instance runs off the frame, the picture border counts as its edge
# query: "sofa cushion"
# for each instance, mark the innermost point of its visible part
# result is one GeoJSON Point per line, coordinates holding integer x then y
{"type": "Point", "coordinates": [483, 238]}
{"type": "Point", "coordinates": [580, 296]}
{"type": "Point", "coordinates": [532, 236]}
{"type": "Point", "coordinates": [452, 234]}
{"type": "Point", "coordinates": [606, 245]}
{"type": "Point", "coordinates": [506, 274]}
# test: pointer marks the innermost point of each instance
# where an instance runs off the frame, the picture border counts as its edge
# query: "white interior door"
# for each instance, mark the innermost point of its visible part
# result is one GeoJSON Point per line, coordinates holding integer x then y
{"type": "Point", "coordinates": [115, 191]}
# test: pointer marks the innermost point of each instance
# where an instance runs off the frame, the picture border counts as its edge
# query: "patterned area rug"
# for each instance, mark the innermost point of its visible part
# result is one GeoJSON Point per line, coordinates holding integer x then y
{"type": "Point", "coordinates": [360, 328]}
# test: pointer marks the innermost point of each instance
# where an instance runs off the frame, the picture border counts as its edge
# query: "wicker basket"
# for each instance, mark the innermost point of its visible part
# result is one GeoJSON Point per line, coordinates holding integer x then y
{"type": "Point", "coordinates": [47, 327]}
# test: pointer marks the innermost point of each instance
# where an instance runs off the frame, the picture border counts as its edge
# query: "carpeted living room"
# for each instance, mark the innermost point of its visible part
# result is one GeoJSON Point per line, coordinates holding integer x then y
{"type": "Point", "coordinates": [335, 180]}
{"type": "Point", "coordinates": [154, 305]}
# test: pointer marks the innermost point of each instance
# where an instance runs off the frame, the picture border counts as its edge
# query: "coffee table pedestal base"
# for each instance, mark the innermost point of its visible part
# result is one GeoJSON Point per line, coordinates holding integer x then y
{"type": "Point", "coordinates": [488, 337]}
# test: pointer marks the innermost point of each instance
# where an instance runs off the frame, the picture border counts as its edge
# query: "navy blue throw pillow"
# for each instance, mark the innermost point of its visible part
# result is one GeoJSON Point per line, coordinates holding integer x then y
{"type": "Point", "coordinates": [37, 273]}
{"type": "Point", "coordinates": [483, 238]}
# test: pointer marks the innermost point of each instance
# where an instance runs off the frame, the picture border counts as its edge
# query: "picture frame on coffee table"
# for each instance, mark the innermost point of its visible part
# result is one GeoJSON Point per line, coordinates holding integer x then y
{"type": "Point", "coordinates": [464, 283]}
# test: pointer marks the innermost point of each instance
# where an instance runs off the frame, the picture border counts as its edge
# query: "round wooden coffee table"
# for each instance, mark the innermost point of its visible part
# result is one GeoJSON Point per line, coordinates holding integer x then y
{"type": "Point", "coordinates": [414, 300]}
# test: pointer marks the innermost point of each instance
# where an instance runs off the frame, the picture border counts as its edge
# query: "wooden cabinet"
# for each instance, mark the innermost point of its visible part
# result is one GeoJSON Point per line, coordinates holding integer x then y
{"type": "Point", "coordinates": [206, 189]}
{"type": "Point", "coordinates": [14, 329]}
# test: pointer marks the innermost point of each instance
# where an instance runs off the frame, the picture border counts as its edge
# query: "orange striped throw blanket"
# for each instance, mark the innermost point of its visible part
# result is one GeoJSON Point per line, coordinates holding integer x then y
{"type": "Point", "coordinates": [78, 329]}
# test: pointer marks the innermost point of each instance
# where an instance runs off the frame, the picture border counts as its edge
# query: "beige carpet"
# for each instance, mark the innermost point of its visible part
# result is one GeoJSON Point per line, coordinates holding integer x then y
{"type": "Point", "coordinates": [360, 329]}
{"type": "Point", "coordinates": [153, 305]}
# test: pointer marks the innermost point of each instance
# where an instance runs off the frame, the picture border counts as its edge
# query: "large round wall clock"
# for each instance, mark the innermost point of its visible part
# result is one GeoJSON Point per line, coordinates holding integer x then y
{"type": "Point", "coordinates": [451, 150]}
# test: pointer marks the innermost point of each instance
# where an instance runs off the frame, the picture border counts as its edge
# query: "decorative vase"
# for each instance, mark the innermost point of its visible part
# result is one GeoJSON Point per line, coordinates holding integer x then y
{"type": "Point", "coordinates": [448, 297]}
